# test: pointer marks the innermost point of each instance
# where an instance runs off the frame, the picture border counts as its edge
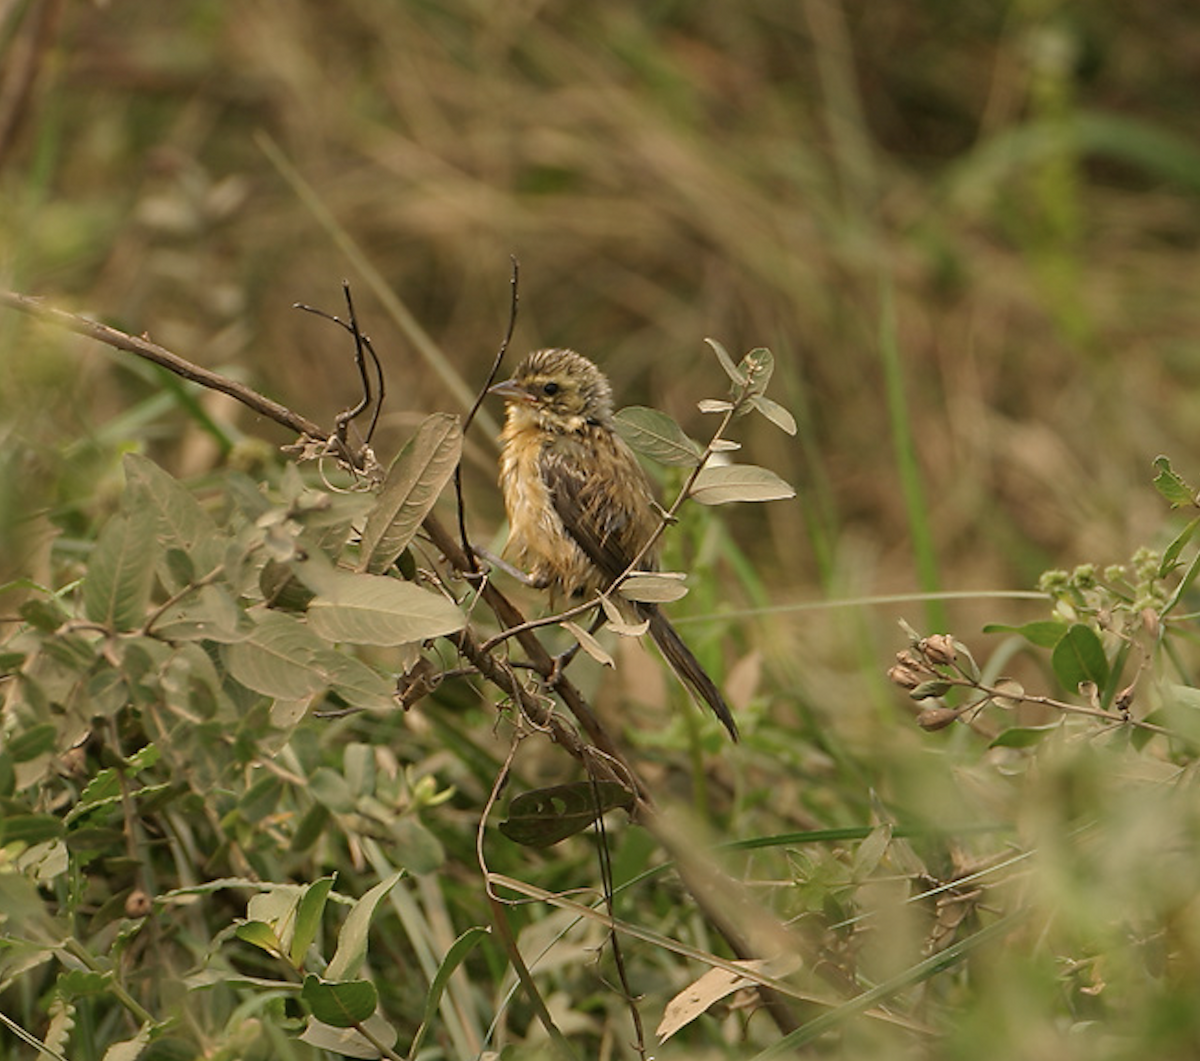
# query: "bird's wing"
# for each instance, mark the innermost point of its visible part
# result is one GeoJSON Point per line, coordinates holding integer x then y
{"type": "Point", "coordinates": [586, 507]}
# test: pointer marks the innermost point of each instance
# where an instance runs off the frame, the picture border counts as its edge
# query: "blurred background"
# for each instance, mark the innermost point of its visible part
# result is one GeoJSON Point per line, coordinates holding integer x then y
{"type": "Point", "coordinates": [966, 230]}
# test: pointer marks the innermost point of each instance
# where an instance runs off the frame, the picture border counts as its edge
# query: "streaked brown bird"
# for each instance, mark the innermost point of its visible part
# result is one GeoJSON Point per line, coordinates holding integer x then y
{"type": "Point", "coordinates": [580, 508]}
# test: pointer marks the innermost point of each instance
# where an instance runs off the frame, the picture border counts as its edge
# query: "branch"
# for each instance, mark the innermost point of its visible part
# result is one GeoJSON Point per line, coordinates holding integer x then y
{"type": "Point", "coordinates": [150, 351]}
{"type": "Point", "coordinates": [722, 900]}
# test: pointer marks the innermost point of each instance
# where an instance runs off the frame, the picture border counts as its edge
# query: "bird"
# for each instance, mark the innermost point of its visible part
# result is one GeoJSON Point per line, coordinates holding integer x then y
{"type": "Point", "coordinates": [580, 507]}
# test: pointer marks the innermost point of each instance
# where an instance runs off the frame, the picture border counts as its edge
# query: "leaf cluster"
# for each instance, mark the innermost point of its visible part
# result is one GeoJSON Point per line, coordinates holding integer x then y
{"type": "Point", "coordinates": [161, 753]}
{"type": "Point", "coordinates": [155, 706]}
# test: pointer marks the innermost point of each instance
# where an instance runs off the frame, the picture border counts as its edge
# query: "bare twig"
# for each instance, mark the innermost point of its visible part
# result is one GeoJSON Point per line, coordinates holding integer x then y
{"type": "Point", "coordinates": [469, 552]}
{"type": "Point", "coordinates": [151, 351]}
{"type": "Point", "coordinates": [362, 347]}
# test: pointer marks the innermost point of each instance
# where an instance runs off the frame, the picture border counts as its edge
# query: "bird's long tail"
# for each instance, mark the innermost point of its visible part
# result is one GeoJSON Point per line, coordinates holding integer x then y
{"type": "Point", "coordinates": [686, 666]}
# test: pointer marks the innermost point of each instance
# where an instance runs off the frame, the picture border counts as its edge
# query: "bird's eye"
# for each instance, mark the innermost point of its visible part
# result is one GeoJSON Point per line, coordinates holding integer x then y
{"type": "Point", "coordinates": [550, 388]}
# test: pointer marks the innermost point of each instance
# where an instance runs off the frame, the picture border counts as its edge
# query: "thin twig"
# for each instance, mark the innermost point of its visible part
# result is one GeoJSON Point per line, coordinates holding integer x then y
{"type": "Point", "coordinates": [468, 551]}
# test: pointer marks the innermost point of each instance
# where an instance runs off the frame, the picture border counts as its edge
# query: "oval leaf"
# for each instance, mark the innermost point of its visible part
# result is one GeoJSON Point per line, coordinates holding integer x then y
{"type": "Point", "coordinates": [656, 435]}
{"type": "Point", "coordinates": [342, 1004]}
{"type": "Point", "coordinates": [655, 587]}
{"type": "Point", "coordinates": [377, 610]}
{"type": "Point", "coordinates": [277, 659]}
{"type": "Point", "coordinates": [757, 368]}
{"type": "Point", "coordinates": [547, 815]}
{"type": "Point", "coordinates": [774, 412]}
{"type": "Point", "coordinates": [355, 682]}
{"type": "Point", "coordinates": [739, 482]}
{"type": "Point", "coordinates": [1079, 657]}
{"type": "Point", "coordinates": [412, 486]}
{"type": "Point", "coordinates": [30, 828]}
{"type": "Point", "coordinates": [180, 521]}
{"type": "Point", "coordinates": [1045, 633]}
{"type": "Point", "coordinates": [589, 644]}
{"type": "Point", "coordinates": [120, 571]}
{"type": "Point", "coordinates": [350, 1042]}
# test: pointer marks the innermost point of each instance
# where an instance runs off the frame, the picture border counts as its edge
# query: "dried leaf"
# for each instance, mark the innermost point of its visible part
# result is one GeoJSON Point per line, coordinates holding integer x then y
{"type": "Point", "coordinates": [715, 985]}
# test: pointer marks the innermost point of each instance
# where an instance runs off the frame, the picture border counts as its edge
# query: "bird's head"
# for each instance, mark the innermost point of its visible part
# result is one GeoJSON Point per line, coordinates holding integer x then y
{"type": "Point", "coordinates": [557, 390]}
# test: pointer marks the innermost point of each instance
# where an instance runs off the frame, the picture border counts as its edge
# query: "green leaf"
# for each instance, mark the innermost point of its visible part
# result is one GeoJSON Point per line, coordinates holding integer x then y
{"type": "Point", "coordinates": [120, 571]}
{"type": "Point", "coordinates": [366, 609]}
{"type": "Point", "coordinates": [89, 839]}
{"type": "Point", "coordinates": [103, 789]}
{"type": "Point", "coordinates": [1079, 657]}
{"type": "Point", "coordinates": [261, 798]}
{"type": "Point", "coordinates": [277, 659]}
{"type": "Point", "coordinates": [1171, 485]}
{"type": "Point", "coordinates": [455, 956]}
{"type": "Point", "coordinates": [358, 765]}
{"type": "Point", "coordinates": [44, 615]}
{"type": "Point", "coordinates": [329, 787]}
{"type": "Point", "coordinates": [739, 482]}
{"type": "Point", "coordinates": [355, 682]}
{"type": "Point", "coordinates": [35, 741]}
{"type": "Point", "coordinates": [1170, 557]}
{"type": "Point", "coordinates": [180, 520]}
{"type": "Point", "coordinates": [207, 614]}
{"type": "Point", "coordinates": [731, 370]}
{"type": "Point", "coordinates": [774, 412]}
{"type": "Point", "coordinates": [1045, 633]}
{"type": "Point", "coordinates": [342, 1003]}
{"type": "Point", "coordinates": [1023, 736]}
{"type": "Point", "coordinates": [308, 919]}
{"type": "Point", "coordinates": [1180, 713]}
{"type": "Point", "coordinates": [130, 1049]}
{"type": "Point", "coordinates": [931, 689]}
{"type": "Point", "coordinates": [417, 849]}
{"type": "Point", "coordinates": [30, 828]}
{"type": "Point", "coordinates": [757, 367]}
{"type": "Point", "coordinates": [76, 983]}
{"type": "Point", "coordinates": [545, 816]}
{"type": "Point", "coordinates": [352, 940]}
{"type": "Point", "coordinates": [144, 758]}
{"type": "Point", "coordinates": [659, 437]}
{"type": "Point", "coordinates": [311, 828]}
{"type": "Point", "coordinates": [259, 934]}
{"type": "Point", "coordinates": [413, 484]}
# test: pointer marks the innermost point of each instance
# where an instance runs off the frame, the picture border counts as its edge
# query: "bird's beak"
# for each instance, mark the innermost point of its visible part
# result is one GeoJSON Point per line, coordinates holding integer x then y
{"type": "Point", "coordinates": [510, 391]}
